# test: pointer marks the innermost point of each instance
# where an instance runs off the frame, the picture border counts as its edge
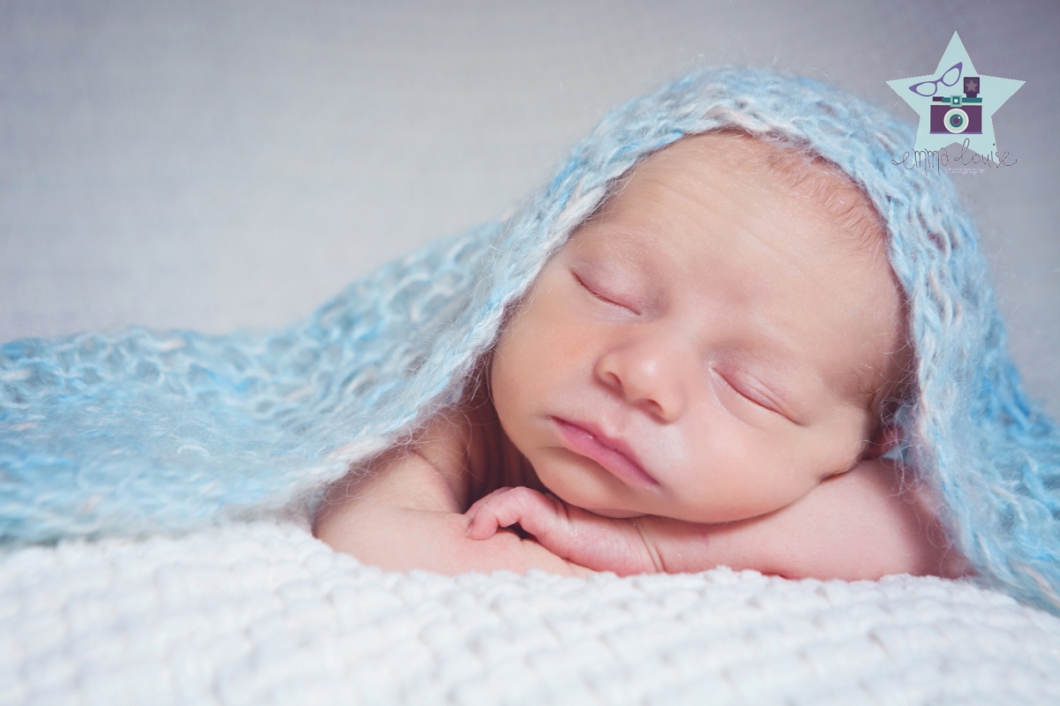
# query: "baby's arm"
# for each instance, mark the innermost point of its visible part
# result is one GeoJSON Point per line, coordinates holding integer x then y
{"type": "Point", "coordinates": [861, 525]}
{"type": "Point", "coordinates": [405, 513]}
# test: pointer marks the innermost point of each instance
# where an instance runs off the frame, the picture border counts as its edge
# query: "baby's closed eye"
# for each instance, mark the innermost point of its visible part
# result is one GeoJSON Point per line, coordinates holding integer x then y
{"type": "Point", "coordinates": [746, 391]}
{"type": "Point", "coordinates": [616, 271]}
{"type": "Point", "coordinates": [604, 293]}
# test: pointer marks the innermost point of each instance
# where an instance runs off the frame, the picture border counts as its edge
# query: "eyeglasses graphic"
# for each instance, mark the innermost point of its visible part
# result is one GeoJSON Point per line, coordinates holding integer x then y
{"type": "Point", "coordinates": [929, 88]}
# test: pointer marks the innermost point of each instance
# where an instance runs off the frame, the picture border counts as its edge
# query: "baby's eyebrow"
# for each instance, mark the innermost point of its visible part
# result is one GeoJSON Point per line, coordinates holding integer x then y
{"type": "Point", "coordinates": [626, 243]}
{"type": "Point", "coordinates": [625, 249]}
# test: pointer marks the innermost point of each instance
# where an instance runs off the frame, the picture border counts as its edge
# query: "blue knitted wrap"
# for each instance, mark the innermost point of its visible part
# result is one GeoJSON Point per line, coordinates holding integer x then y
{"type": "Point", "coordinates": [168, 431]}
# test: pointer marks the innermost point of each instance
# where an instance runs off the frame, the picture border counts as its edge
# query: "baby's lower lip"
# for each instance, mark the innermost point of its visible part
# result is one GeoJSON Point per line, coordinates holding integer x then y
{"type": "Point", "coordinates": [584, 442]}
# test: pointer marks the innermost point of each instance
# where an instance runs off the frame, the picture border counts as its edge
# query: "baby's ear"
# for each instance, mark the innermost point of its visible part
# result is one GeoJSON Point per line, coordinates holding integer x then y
{"type": "Point", "coordinates": [883, 440]}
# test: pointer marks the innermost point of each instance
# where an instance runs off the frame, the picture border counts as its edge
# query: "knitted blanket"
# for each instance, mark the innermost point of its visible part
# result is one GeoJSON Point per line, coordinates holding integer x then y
{"type": "Point", "coordinates": [261, 613]}
{"type": "Point", "coordinates": [145, 432]}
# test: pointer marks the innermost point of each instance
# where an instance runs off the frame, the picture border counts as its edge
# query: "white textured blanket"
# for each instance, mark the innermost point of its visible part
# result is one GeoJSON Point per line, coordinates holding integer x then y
{"type": "Point", "coordinates": [263, 613]}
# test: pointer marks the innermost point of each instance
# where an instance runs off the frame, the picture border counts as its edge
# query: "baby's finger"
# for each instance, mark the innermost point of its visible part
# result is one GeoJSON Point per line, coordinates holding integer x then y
{"type": "Point", "coordinates": [486, 526]}
{"type": "Point", "coordinates": [501, 508]}
{"type": "Point", "coordinates": [483, 524]}
{"type": "Point", "coordinates": [473, 510]}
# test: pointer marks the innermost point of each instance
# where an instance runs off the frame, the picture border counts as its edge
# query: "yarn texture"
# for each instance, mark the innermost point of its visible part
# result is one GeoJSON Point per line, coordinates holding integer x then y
{"type": "Point", "coordinates": [147, 432]}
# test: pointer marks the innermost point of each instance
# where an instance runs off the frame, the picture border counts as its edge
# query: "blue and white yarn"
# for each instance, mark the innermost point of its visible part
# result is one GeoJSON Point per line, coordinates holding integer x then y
{"type": "Point", "coordinates": [146, 432]}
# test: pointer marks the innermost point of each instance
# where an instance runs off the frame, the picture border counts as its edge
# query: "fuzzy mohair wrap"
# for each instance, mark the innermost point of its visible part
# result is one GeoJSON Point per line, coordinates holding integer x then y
{"type": "Point", "coordinates": [146, 432]}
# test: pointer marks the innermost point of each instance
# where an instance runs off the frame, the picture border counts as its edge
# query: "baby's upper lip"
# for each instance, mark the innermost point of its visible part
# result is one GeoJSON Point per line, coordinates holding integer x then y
{"type": "Point", "coordinates": [614, 443]}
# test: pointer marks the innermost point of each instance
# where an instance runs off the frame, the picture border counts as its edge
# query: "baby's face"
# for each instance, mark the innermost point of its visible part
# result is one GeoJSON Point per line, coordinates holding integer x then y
{"type": "Point", "coordinates": [701, 348]}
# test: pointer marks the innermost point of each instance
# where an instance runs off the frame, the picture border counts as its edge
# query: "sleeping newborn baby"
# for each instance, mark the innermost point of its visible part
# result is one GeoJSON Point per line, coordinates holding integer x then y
{"type": "Point", "coordinates": [704, 374]}
{"type": "Point", "coordinates": [735, 328]}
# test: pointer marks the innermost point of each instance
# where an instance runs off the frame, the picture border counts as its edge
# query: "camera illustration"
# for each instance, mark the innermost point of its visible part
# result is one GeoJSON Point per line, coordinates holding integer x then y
{"type": "Point", "coordinates": [958, 114]}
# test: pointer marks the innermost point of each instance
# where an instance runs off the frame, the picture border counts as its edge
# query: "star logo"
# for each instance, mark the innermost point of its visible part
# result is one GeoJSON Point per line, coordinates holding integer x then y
{"type": "Point", "coordinates": [956, 103]}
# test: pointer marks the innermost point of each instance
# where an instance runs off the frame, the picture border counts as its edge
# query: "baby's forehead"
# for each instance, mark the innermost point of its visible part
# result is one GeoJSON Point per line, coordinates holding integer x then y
{"type": "Point", "coordinates": [791, 169]}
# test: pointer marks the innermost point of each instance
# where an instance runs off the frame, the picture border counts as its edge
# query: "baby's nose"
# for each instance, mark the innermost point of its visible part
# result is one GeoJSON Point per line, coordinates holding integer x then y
{"type": "Point", "coordinates": [650, 374]}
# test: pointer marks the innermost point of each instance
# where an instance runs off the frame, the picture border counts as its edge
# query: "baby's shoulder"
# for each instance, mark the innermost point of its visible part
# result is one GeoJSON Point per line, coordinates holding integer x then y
{"type": "Point", "coordinates": [445, 440]}
{"type": "Point", "coordinates": [425, 472]}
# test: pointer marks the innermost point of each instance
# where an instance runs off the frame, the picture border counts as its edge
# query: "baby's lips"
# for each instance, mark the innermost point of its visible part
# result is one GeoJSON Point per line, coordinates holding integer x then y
{"type": "Point", "coordinates": [612, 453]}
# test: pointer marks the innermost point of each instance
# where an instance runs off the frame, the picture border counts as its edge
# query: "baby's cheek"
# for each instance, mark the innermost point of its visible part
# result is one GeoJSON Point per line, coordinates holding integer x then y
{"type": "Point", "coordinates": [840, 445]}
{"type": "Point", "coordinates": [554, 336]}
{"type": "Point", "coordinates": [738, 472]}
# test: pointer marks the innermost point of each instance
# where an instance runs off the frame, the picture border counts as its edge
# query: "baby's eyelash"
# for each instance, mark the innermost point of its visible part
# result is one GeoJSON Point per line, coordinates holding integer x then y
{"type": "Point", "coordinates": [753, 399]}
{"type": "Point", "coordinates": [598, 294]}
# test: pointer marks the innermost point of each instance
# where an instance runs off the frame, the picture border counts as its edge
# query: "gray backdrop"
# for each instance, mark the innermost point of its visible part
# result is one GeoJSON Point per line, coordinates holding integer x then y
{"type": "Point", "coordinates": [223, 163]}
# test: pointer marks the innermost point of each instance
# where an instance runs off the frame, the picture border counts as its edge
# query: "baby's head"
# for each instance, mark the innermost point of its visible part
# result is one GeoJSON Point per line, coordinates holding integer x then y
{"type": "Point", "coordinates": [968, 431]}
{"type": "Point", "coordinates": [721, 335]}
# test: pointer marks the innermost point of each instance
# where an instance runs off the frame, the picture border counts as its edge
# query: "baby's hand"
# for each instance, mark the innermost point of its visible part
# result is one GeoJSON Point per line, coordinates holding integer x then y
{"type": "Point", "coordinates": [505, 507]}
{"type": "Point", "coordinates": [595, 542]}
